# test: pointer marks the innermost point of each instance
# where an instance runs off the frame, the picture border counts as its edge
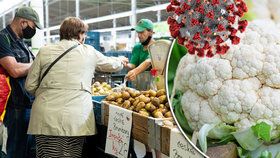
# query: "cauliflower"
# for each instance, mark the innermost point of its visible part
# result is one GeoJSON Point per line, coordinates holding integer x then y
{"type": "Point", "coordinates": [266, 9]}
{"type": "Point", "coordinates": [239, 88]}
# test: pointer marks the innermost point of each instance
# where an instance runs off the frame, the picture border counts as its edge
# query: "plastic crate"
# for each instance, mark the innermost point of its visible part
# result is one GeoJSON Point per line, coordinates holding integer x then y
{"type": "Point", "coordinates": [96, 100]}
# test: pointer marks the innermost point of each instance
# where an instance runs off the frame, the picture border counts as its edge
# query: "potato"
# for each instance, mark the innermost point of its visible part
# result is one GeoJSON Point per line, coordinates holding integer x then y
{"type": "Point", "coordinates": [144, 99]}
{"type": "Point", "coordinates": [167, 105]}
{"type": "Point", "coordinates": [153, 108]}
{"type": "Point", "coordinates": [163, 110]}
{"type": "Point", "coordinates": [136, 93]}
{"type": "Point", "coordinates": [136, 102]}
{"type": "Point", "coordinates": [125, 95]}
{"type": "Point", "coordinates": [126, 104]}
{"type": "Point", "coordinates": [152, 93]}
{"type": "Point", "coordinates": [110, 97]}
{"type": "Point", "coordinates": [119, 95]}
{"type": "Point", "coordinates": [158, 114]}
{"type": "Point", "coordinates": [144, 113]}
{"type": "Point", "coordinates": [147, 95]}
{"type": "Point", "coordinates": [155, 101]}
{"type": "Point", "coordinates": [161, 106]}
{"type": "Point", "coordinates": [133, 93]}
{"type": "Point", "coordinates": [162, 99]}
{"type": "Point", "coordinates": [119, 100]}
{"type": "Point", "coordinates": [131, 100]}
{"type": "Point", "coordinates": [148, 106]}
{"type": "Point", "coordinates": [160, 92]}
{"type": "Point", "coordinates": [168, 114]}
{"type": "Point", "coordinates": [131, 108]}
{"type": "Point", "coordinates": [139, 106]}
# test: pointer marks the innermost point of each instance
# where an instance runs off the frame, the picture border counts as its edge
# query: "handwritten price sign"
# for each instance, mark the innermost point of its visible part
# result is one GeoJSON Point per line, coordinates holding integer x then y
{"type": "Point", "coordinates": [180, 147]}
{"type": "Point", "coordinates": [118, 134]}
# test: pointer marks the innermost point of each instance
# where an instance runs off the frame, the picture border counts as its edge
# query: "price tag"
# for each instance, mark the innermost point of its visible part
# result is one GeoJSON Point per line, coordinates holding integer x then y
{"type": "Point", "coordinates": [180, 147]}
{"type": "Point", "coordinates": [118, 133]}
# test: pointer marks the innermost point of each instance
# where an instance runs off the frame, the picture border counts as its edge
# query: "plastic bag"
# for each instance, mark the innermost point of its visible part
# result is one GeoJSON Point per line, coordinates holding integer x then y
{"type": "Point", "coordinates": [5, 91]}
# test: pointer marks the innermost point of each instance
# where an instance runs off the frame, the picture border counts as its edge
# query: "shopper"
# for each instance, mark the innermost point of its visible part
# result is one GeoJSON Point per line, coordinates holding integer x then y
{"type": "Point", "coordinates": [16, 59]}
{"type": "Point", "coordinates": [62, 113]}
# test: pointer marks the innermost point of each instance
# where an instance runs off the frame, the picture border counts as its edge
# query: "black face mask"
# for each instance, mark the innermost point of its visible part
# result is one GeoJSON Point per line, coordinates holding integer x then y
{"type": "Point", "coordinates": [28, 32]}
{"type": "Point", "coordinates": [147, 41]}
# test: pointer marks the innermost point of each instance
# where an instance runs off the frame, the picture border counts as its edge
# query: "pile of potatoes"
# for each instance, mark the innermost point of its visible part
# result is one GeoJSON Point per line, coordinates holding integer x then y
{"type": "Point", "coordinates": [101, 88]}
{"type": "Point", "coordinates": [147, 103]}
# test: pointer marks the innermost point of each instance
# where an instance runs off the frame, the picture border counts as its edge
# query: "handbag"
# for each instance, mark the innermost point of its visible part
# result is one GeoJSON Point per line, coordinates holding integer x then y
{"type": "Point", "coordinates": [56, 60]}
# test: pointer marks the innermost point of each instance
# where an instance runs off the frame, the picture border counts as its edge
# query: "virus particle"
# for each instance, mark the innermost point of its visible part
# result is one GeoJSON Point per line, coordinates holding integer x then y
{"type": "Point", "coordinates": [204, 26]}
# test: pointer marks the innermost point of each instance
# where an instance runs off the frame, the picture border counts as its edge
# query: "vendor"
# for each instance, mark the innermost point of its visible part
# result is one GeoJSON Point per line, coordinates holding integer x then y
{"type": "Point", "coordinates": [140, 59]}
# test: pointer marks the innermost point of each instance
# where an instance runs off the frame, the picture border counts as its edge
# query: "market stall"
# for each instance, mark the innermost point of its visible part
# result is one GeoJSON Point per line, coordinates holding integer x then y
{"type": "Point", "coordinates": [149, 110]}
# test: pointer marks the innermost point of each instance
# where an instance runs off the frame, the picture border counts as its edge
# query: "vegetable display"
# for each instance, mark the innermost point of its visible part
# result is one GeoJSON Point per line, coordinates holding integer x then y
{"type": "Point", "coordinates": [147, 103]}
{"type": "Point", "coordinates": [101, 88]}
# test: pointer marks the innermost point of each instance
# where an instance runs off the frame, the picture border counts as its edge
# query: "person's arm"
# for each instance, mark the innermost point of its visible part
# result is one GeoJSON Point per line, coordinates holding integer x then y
{"type": "Point", "coordinates": [33, 78]}
{"type": "Point", "coordinates": [131, 75]}
{"type": "Point", "coordinates": [130, 66]}
{"type": "Point", "coordinates": [109, 64]}
{"type": "Point", "coordinates": [14, 68]}
{"type": "Point", "coordinates": [8, 61]}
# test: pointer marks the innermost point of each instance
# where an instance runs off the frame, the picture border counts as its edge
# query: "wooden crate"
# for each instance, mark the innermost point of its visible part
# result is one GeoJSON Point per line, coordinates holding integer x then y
{"type": "Point", "coordinates": [164, 139]}
{"type": "Point", "coordinates": [143, 128]}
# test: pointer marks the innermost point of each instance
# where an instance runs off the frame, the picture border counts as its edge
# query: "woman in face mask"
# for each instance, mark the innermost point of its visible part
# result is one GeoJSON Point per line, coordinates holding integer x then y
{"type": "Point", "coordinates": [62, 113]}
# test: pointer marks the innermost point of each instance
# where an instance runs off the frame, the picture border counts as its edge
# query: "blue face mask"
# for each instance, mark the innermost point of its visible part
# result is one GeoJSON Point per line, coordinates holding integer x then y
{"type": "Point", "coordinates": [28, 32]}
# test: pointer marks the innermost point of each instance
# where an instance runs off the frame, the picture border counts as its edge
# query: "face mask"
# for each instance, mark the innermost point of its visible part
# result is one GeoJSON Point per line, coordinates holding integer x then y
{"type": "Point", "coordinates": [147, 41]}
{"type": "Point", "coordinates": [28, 32]}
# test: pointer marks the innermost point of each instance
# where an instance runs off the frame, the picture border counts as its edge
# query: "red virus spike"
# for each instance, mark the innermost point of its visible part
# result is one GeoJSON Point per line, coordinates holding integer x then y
{"type": "Point", "coordinates": [175, 2]}
{"type": "Point", "coordinates": [200, 52]}
{"type": "Point", "coordinates": [219, 40]}
{"type": "Point", "coordinates": [232, 31]}
{"type": "Point", "coordinates": [242, 25]}
{"type": "Point", "coordinates": [181, 40]}
{"type": "Point", "coordinates": [210, 14]}
{"type": "Point", "coordinates": [206, 45]}
{"type": "Point", "coordinates": [194, 22]}
{"type": "Point", "coordinates": [206, 30]}
{"type": "Point", "coordinates": [200, 9]}
{"type": "Point", "coordinates": [185, 6]}
{"type": "Point", "coordinates": [215, 2]}
{"type": "Point", "coordinates": [230, 7]}
{"type": "Point", "coordinates": [234, 40]}
{"type": "Point", "coordinates": [196, 36]}
{"type": "Point", "coordinates": [231, 19]}
{"type": "Point", "coordinates": [209, 54]}
{"type": "Point", "coordinates": [220, 28]}
{"type": "Point", "coordinates": [170, 8]}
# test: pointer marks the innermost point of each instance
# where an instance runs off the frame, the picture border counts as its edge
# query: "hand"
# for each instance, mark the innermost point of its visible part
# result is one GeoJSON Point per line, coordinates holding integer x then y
{"type": "Point", "coordinates": [131, 75]}
{"type": "Point", "coordinates": [124, 60]}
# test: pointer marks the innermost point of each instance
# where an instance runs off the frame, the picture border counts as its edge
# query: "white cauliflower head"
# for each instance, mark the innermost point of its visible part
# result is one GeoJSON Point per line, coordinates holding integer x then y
{"type": "Point", "coordinates": [239, 88]}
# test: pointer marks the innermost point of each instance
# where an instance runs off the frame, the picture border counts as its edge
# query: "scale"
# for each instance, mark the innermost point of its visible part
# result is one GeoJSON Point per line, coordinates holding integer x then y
{"type": "Point", "coordinates": [158, 53]}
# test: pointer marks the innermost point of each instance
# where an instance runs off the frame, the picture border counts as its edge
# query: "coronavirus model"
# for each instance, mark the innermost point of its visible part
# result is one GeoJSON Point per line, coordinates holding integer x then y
{"type": "Point", "coordinates": [204, 26]}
